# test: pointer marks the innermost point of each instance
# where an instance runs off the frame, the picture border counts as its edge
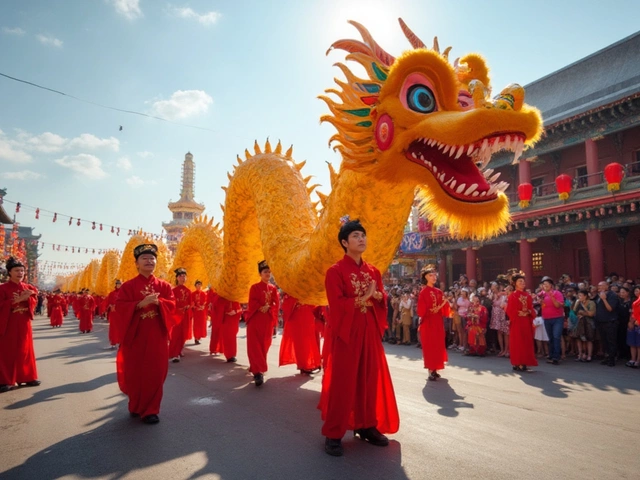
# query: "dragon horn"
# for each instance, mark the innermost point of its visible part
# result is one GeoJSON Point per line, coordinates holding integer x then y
{"type": "Point", "coordinates": [378, 51]}
{"type": "Point", "coordinates": [412, 37]}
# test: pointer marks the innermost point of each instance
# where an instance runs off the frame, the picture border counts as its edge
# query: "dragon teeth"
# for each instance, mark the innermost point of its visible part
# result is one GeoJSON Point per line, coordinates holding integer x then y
{"type": "Point", "coordinates": [413, 154]}
{"type": "Point", "coordinates": [453, 184]}
{"type": "Point", "coordinates": [461, 188]}
{"type": "Point", "coordinates": [470, 150]}
{"type": "Point", "coordinates": [471, 189]}
{"type": "Point", "coordinates": [446, 149]}
{"type": "Point", "coordinates": [488, 172]}
{"type": "Point", "coordinates": [459, 154]}
{"type": "Point", "coordinates": [494, 178]}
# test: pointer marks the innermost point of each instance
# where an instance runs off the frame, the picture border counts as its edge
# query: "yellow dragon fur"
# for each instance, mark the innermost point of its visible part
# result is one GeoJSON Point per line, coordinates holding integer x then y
{"type": "Point", "coordinates": [405, 128]}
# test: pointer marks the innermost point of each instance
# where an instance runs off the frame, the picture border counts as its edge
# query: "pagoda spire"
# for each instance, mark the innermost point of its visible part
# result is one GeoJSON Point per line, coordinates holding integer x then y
{"type": "Point", "coordinates": [188, 178]}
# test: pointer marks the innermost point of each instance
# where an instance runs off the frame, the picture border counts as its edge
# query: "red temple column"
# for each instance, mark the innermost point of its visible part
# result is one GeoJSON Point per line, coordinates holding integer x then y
{"type": "Point", "coordinates": [591, 153]}
{"type": "Point", "coordinates": [526, 260]}
{"type": "Point", "coordinates": [472, 260]}
{"type": "Point", "coordinates": [524, 171]}
{"type": "Point", "coordinates": [596, 261]}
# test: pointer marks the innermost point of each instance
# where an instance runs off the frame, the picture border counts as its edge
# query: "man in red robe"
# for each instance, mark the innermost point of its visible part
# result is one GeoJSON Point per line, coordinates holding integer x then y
{"type": "Point", "coordinates": [87, 305]}
{"type": "Point", "coordinates": [182, 315]}
{"type": "Point", "coordinates": [145, 307]}
{"type": "Point", "coordinates": [17, 305]}
{"type": "Point", "coordinates": [199, 305]}
{"type": "Point", "coordinates": [261, 317]}
{"type": "Point", "coordinates": [357, 391]}
{"type": "Point", "coordinates": [299, 344]}
{"type": "Point", "coordinates": [226, 314]}
{"type": "Point", "coordinates": [521, 314]}
{"type": "Point", "coordinates": [57, 308]}
{"type": "Point", "coordinates": [432, 308]}
{"type": "Point", "coordinates": [110, 310]}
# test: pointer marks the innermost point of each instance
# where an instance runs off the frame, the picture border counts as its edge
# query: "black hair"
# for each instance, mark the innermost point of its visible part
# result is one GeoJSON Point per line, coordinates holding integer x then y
{"type": "Point", "coordinates": [347, 229]}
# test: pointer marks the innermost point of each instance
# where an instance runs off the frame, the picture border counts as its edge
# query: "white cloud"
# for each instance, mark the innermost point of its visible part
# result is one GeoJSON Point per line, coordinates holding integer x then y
{"type": "Point", "coordinates": [13, 31]}
{"type": "Point", "coordinates": [146, 154]}
{"type": "Point", "coordinates": [11, 154]}
{"type": "Point", "coordinates": [48, 142]}
{"type": "Point", "coordinates": [182, 104]}
{"type": "Point", "coordinates": [124, 163]}
{"type": "Point", "coordinates": [135, 181]}
{"type": "Point", "coordinates": [129, 9]}
{"type": "Point", "coordinates": [91, 142]}
{"type": "Point", "coordinates": [84, 165]}
{"type": "Point", "coordinates": [49, 40]}
{"type": "Point", "coordinates": [205, 19]}
{"type": "Point", "coordinates": [22, 175]}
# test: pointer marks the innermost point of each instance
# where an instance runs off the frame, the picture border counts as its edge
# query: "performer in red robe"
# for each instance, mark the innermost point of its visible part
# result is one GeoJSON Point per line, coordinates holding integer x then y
{"type": "Point", "coordinates": [110, 309]}
{"type": "Point", "coordinates": [226, 314]}
{"type": "Point", "coordinates": [299, 344]}
{"type": "Point", "coordinates": [87, 305]}
{"type": "Point", "coordinates": [357, 391]}
{"type": "Point", "coordinates": [75, 303]}
{"type": "Point", "coordinates": [57, 307]}
{"type": "Point", "coordinates": [521, 314]}
{"type": "Point", "coordinates": [215, 321]}
{"type": "Point", "coordinates": [182, 315]}
{"type": "Point", "coordinates": [145, 307]}
{"type": "Point", "coordinates": [199, 305]}
{"type": "Point", "coordinates": [261, 317]}
{"type": "Point", "coordinates": [17, 305]}
{"type": "Point", "coordinates": [432, 308]}
{"type": "Point", "coordinates": [477, 318]}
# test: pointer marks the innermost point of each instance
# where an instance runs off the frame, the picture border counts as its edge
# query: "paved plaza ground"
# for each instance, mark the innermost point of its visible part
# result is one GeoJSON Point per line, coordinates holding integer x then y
{"type": "Point", "coordinates": [481, 420]}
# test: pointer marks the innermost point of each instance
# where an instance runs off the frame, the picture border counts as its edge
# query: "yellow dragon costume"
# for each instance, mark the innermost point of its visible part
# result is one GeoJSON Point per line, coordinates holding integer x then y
{"type": "Point", "coordinates": [415, 123]}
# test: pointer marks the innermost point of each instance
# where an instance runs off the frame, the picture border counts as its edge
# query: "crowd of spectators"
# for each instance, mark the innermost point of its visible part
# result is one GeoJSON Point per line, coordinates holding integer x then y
{"type": "Point", "coordinates": [583, 322]}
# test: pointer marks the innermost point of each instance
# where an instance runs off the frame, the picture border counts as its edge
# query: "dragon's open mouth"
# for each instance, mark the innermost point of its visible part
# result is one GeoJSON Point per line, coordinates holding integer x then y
{"type": "Point", "coordinates": [454, 166]}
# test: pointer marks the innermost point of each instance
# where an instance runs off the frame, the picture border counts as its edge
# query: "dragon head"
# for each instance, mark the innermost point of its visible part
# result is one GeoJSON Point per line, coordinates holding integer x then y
{"type": "Point", "coordinates": [423, 121]}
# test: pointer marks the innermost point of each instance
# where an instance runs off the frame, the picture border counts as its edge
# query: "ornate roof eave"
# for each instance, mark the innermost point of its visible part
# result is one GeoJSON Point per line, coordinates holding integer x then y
{"type": "Point", "coordinates": [187, 204]}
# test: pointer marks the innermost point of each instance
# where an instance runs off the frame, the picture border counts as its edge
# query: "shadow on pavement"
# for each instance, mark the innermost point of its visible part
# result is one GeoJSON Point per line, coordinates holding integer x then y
{"type": "Point", "coordinates": [42, 394]}
{"type": "Point", "coordinates": [440, 393]}
{"type": "Point", "coordinates": [234, 431]}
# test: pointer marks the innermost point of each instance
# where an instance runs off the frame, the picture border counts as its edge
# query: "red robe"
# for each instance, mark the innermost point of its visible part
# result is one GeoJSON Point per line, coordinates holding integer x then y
{"type": "Point", "coordinates": [477, 318]}
{"type": "Point", "coordinates": [299, 344]}
{"type": "Point", "coordinates": [199, 302]}
{"type": "Point", "coordinates": [432, 308]}
{"type": "Point", "coordinates": [519, 308]}
{"type": "Point", "coordinates": [229, 323]}
{"type": "Point", "coordinates": [57, 307]}
{"type": "Point", "coordinates": [216, 319]}
{"type": "Point", "coordinates": [76, 305]}
{"type": "Point", "coordinates": [357, 391]}
{"type": "Point", "coordinates": [109, 306]}
{"type": "Point", "coordinates": [143, 356]}
{"type": "Point", "coordinates": [181, 330]}
{"type": "Point", "coordinates": [260, 324]}
{"type": "Point", "coordinates": [17, 357]}
{"type": "Point", "coordinates": [86, 305]}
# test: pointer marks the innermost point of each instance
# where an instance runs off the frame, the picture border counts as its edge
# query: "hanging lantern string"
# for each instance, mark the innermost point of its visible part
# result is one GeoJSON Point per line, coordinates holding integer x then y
{"type": "Point", "coordinates": [40, 212]}
{"type": "Point", "coordinates": [57, 247]}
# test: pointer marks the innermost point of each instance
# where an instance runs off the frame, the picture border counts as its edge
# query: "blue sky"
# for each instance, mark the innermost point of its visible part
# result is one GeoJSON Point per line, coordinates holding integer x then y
{"type": "Point", "coordinates": [242, 70]}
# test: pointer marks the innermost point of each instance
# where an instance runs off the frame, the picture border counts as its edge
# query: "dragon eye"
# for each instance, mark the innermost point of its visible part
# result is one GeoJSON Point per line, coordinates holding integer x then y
{"type": "Point", "coordinates": [420, 99]}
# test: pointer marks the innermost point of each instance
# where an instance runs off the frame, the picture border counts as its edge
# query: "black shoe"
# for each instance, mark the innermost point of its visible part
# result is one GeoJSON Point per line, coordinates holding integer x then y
{"type": "Point", "coordinates": [134, 414]}
{"type": "Point", "coordinates": [175, 359]}
{"type": "Point", "coordinates": [197, 342]}
{"type": "Point", "coordinates": [5, 388]}
{"type": "Point", "coordinates": [150, 419]}
{"type": "Point", "coordinates": [372, 435]}
{"type": "Point", "coordinates": [232, 360]}
{"type": "Point", "coordinates": [259, 379]}
{"type": "Point", "coordinates": [33, 383]}
{"type": "Point", "coordinates": [333, 447]}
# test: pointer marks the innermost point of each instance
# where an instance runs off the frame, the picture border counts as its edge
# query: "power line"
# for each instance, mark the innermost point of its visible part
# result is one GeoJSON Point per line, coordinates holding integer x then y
{"type": "Point", "coordinates": [131, 112]}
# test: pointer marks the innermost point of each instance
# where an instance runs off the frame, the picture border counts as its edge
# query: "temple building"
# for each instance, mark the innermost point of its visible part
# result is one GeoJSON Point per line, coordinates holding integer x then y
{"type": "Point", "coordinates": [18, 241]}
{"type": "Point", "coordinates": [575, 196]}
{"type": "Point", "coordinates": [186, 208]}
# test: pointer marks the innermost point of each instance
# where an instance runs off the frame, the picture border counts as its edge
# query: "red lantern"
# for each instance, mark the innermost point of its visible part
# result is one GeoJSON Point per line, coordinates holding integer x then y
{"type": "Point", "coordinates": [613, 174]}
{"type": "Point", "coordinates": [37, 213]}
{"type": "Point", "coordinates": [563, 185]}
{"type": "Point", "coordinates": [18, 207]}
{"type": "Point", "coordinates": [55, 216]}
{"type": "Point", "coordinates": [525, 191]}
